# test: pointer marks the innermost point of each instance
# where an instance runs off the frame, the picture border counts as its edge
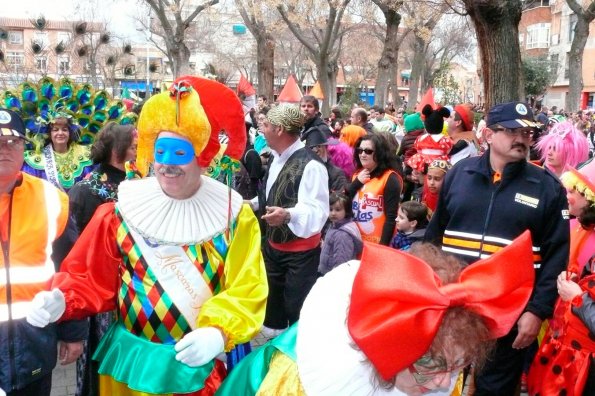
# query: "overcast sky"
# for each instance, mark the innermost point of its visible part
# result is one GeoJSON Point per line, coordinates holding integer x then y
{"type": "Point", "coordinates": [119, 14]}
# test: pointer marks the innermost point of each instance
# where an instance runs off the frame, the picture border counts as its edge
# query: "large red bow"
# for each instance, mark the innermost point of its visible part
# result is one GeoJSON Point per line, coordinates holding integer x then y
{"type": "Point", "coordinates": [398, 302]}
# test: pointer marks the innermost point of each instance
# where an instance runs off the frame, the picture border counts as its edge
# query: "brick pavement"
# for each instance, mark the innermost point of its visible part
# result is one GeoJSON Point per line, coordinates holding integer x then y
{"type": "Point", "coordinates": [64, 380]}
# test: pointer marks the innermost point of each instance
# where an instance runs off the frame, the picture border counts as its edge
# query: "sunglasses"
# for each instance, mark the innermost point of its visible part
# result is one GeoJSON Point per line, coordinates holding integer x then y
{"type": "Point", "coordinates": [526, 133]}
{"type": "Point", "coordinates": [360, 150]}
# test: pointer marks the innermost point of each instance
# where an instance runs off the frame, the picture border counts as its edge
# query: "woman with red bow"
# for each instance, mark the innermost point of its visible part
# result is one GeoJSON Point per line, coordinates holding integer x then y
{"type": "Point", "coordinates": [392, 324]}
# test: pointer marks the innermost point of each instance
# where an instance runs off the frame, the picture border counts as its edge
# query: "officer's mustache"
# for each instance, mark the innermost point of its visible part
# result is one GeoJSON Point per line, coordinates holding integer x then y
{"type": "Point", "coordinates": [171, 170]}
{"type": "Point", "coordinates": [520, 145]}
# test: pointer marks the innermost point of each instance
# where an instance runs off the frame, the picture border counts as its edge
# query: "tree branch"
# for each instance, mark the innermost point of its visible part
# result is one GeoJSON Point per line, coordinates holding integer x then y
{"type": "Point", "coordinates": [296, 31]}
{"type": "Point", "coordinates": [198, 10]}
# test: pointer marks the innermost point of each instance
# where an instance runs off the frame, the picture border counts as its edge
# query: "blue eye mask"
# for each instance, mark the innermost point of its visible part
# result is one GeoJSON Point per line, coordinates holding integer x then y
{"type": "Point", "coordinates": [172, 151]}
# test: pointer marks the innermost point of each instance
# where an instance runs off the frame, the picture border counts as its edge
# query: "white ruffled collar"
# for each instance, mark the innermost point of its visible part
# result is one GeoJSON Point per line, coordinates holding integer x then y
{"type": "Point", "coordinates": [165, 220]}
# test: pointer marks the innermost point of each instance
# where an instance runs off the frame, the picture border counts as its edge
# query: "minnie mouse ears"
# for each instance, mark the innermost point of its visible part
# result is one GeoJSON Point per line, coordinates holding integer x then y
{"type": "Point", "coordinates": [434, 121]}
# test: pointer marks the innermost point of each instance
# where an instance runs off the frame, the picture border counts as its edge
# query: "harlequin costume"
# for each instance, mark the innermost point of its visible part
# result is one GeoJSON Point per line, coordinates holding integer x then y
{"type": "Point", "coordinates": [346, 332]}
{"type": "Point", "coordinates": [565, 359]}
{"type": "Point", "coordinates": [170, 266]}
{"type": "Point", "coordinates": [40, 104]}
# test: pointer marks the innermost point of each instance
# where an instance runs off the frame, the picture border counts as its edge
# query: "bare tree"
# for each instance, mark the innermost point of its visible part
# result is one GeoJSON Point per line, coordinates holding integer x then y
{"type": "Point", "coordinates": [584, 17]}
{"type": "Point", "coordinates": [292, 57]}
{"type": "Point", "coordinates": [452, 39]}
{"type": "Point", "coordinates": [422, 18]}
{"type": "Point", "coordinates": [359, 67]}
{"type": "Point", "coordinates": [254, 14]}
{"type": "Point", "coordinates": [497, 29]}
{"type": "Point", "coordinates": [321, 34]}
{"type": "Point", "coordinates": [388, 63]}
{"type": "Point", "coordinates": [175, 19]}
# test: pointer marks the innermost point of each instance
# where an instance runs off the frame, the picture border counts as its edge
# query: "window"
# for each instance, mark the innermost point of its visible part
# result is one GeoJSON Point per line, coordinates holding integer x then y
{"type": "Point", "coordinates": [15, 60]}
{"type": "Point", "coordinates": [555, 64]}
{"type": "Point", "coordinates": [41, 38]}
{"type": "Point", "coordinates": [571, 26]}
{"type": "Point", "coordinates": [41, 63]}
{"type": "Point", "coordinates": [64, 64]}
{"type": "Point", "coordinates": [521, 38]}
{"type": "Point", "coordinates": [536, 3]}
{"type": "Point", "coordinates": [538, 36]}
{"type": "Point", "coordinates": [63, 37]}
{"type": "Point", "coordinates": [15, 37]}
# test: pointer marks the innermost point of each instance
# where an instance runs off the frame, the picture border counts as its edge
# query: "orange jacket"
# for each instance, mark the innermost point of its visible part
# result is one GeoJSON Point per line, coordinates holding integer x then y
{"type": "Point", "coordinates": [368, 207]}
{"type": "Point", "coordinates": [36, 216]}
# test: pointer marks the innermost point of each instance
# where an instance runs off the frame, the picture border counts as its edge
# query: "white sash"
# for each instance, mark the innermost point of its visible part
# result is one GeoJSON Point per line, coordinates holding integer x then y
{"type": "Point", "coordinates": [178, 276]}
{"type": "Point", "coordinates": [51, 171]}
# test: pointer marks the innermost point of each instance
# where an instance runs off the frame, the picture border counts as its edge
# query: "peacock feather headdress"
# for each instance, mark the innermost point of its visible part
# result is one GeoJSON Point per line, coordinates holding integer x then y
{"type": "Point", "coordinates": [40, 104]}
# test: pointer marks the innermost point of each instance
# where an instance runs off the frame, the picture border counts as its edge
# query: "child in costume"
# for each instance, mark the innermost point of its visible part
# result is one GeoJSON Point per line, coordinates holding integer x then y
{"type": "Point", "coordinates": [412, 220]}
{"type": "Point", "coordinates": [343, 241]}
{"type": "Point", "coordinates": [564, 147]}
{"type": "Point", "coordinates": [433, 179]}
{"type": "Point", "coordinates": [178, 256]}
{"type": "Point", "coordinates": [565, 362]}
{"type": "Point", "coordinates": [433, 144]}
{"type": "Point", "coordinates": [392, 324]}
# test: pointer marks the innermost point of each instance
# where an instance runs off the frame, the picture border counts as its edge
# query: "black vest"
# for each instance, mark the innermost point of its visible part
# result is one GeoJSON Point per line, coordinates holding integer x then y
{"type": "Point", "coordinates": [284, 192]}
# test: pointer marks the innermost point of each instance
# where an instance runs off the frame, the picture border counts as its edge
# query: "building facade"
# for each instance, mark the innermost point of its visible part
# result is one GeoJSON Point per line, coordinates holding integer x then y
{"type": "Point", "coordinates": [547, 30]}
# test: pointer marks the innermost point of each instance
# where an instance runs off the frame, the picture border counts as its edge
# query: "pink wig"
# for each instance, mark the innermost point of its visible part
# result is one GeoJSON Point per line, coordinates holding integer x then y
{"type": "Point", "coordinates": [567, 140]}
{"type": "Point", "coordinates": [341, 154]}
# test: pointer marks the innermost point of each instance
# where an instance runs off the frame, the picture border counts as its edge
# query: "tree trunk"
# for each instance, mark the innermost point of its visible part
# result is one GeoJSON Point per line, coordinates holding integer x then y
{"type": "Point", "coordinates": [575, 65]}
{"type": "Point", "coordinates": [332, 71]}
{"type": "Point", "coordinates": [265, 50]}
{"type": "Point", "coordinates": [387, 65]}
{"type": "Point", "coordinates": [323, 74]}
{"type": "Point", "coordinates": [496, 26]}
{"type": "Point", "coordinates": [181, 57]}
{"type": "Point", "coordinates": [417, 68]}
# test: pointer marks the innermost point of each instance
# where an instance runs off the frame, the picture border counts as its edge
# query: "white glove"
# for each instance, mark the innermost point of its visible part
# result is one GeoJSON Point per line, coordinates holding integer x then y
{"type": "Point", "coordinates": [200, 346]}
{"type": "Point", "coordinates": [46, 307]}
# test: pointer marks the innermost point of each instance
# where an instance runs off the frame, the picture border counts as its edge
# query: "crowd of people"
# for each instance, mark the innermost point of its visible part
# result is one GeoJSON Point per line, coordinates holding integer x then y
{"type": "Point", "coordinates": [375, 252]}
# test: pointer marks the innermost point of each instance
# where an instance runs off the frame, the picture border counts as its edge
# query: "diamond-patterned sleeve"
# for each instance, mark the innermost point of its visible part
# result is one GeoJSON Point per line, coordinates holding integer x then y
{"type": "Point", "coordinates": [238, 310]}
{"type": "Point", "coordinates": [89, 276]}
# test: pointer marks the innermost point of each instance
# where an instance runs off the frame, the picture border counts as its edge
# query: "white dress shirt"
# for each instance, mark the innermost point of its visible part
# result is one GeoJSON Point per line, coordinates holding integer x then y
{"type": "Point", "coordinates": [311, 211]}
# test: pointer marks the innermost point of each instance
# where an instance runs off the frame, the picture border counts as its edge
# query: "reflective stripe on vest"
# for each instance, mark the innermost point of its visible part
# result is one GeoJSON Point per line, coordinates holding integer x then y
{"type": "Point", "coordinates": [27, 280]}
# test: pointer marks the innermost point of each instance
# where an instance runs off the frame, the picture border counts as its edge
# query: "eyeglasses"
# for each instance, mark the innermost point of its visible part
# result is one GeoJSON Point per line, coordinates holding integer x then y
{"type": "Point", "coordinates": [11, 144]}
{"type": "Point", "coordinates": [524, 132]}
{"type": "Point", "coordinates": [360, 150]}
{"type": "Point", "coordinates": [426, 368]}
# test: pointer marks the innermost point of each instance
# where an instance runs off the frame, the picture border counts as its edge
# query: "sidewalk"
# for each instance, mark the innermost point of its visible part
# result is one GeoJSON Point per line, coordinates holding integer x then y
{"type": "Point", "coordinates": [64, 380]}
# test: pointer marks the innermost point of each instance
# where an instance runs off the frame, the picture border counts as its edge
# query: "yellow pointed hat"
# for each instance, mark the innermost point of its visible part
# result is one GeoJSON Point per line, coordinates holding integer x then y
{"type": "Point", "coordinates": [177, 110]}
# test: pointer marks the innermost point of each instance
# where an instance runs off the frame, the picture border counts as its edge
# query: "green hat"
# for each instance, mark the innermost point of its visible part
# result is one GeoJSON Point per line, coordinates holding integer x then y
{"type": "Point", "coordinates": [413, 122]}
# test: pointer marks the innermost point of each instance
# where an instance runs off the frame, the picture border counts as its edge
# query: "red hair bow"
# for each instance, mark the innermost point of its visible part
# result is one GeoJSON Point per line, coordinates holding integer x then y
{"type": "Point", "coordinates": [398, 301]}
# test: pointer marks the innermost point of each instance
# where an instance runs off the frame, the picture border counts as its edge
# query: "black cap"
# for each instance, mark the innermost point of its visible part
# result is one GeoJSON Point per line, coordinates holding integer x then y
{"type": "Point", "coordinates": [511, 115]}
{"type": "Point", "coordinates": [11, 124]}
{"type": "Point", "coordinates": [315, 137]}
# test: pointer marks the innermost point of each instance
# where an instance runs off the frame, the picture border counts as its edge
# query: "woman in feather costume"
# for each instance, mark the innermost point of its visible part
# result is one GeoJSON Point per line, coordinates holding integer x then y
{"type": "Point", "coordinates": [62, 119]}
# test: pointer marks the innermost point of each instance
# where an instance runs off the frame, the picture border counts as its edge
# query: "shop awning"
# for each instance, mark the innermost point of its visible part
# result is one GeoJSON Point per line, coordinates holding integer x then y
{"type": "Point", "coordinates": [136, 85]}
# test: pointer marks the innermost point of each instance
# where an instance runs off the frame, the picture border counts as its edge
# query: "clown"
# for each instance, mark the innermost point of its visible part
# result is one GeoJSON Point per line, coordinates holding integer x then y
{"type": "Point", "coordinates": [392, 324]}
{"type": "Point", "coordinates": [178, 256]}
